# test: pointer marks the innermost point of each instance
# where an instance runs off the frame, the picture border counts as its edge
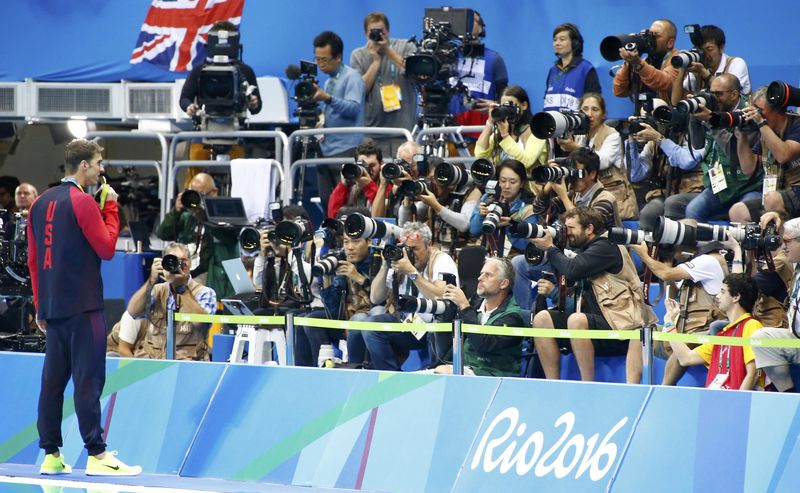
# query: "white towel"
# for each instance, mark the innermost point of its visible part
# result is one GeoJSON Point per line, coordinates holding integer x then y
{"type": "Point", "coordinates": [252, 181]}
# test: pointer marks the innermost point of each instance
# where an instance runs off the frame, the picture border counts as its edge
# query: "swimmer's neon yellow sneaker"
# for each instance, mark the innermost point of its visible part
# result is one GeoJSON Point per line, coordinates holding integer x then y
{"type": "Point", "coordinates": [110, 466]}
{"type": "Point", "coordinates": [54, 465]}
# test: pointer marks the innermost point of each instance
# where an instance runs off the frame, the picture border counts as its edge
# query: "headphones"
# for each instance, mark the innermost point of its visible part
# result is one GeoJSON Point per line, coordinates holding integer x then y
{"type": "Point", "coordinates": [575, 37]}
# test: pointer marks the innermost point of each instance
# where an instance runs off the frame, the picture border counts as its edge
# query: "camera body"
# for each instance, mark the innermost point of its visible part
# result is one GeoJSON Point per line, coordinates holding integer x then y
{"type": "Point", "coordinates": [327, 265]}
{"type": "Point", "coordinates": [307, 110]}
{"type": "Point", "coordinates": [14, 274]}
{"type": "Point", "coordinates": [506, 111]}
{"type": "Point", "coordinates": [172, 264]}
{"type": "Point", "coordinates": [376, 35]}
{"type": "Point", "coordinates": [351, 172]}
{"type": "Point", "coordinates": [751, 237]}
{"type": "Point", "coordinates": [642, 42]}
{"type": "Point", "coordinates": [636, 124]}
{"type": "Point", "coordinates": [394, 169]}
{"type": "Point", "coordinates": [533, 254]}
{"type": "Point", "coordinates": [393, 253]}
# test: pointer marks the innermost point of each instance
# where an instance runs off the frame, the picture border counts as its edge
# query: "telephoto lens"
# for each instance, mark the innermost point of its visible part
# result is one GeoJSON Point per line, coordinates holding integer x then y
{"type": "Point", "coordinates": [351, 172]}
{"type": "Point", "coordinates": [711, 232]}
{"type": "Point", "coordinates": [492, 220]}
{"type": "Point", "coordinates": [358, 226]}
{"type": "Point", "coordinates": [250, 239]}
{"type": "Point", "coordinates": [625, 236]}
{"type": "Point", "coordinates": [293, 232]}
{"type": "Point", "coordinates": [547, 124]}
{"type": "Point", "coordinates": [412, 188]}
{"type": "Point", "coordinates": [191, 199]}
{"type": "Point", "coordinates": [408, 304]}
{"type": "Point", "coordinates": [394, 169]}
{"type": "Point", "coordinates": [686, 58]}
{"type": "Point", "coordinates": [327, 264]}
{"type": "Point", "coordinates": [780, 95]}
{"type": "Point", "coordinates": [535, 255]}
{"type": "Point", "coordinates": [447, 174]}
{"type": "Point", "coordinates": [671, 232]}
{"type": "Point", "coordinates": [702, 99]}
{"type": "Point", "coordinates": [482, 170]}
{"type": "Point", "coordinates": [171, 264]}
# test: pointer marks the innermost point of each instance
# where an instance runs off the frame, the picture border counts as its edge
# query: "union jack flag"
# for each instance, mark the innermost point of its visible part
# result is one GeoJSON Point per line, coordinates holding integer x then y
{"type": "Point", "coordinates": [175, 32]}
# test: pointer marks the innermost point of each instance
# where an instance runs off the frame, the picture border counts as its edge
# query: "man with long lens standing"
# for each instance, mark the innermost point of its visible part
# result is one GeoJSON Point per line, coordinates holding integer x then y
{"type": "Point", "coordinates": [655, 73]}
{"type": "Point", "coordinates": [68, 234]}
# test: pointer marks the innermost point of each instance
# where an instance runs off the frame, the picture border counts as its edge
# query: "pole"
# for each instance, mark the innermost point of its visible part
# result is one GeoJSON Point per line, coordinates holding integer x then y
{"type": "Point", "coordinates": [289, 321]}
{"type": "Point", "coordinates": [458, 348]}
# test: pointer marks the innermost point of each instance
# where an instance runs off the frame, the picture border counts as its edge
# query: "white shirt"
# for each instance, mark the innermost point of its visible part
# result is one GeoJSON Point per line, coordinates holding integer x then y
{"type": "Point", "coordinates": [738, 68]}
{"type": "Point", "coordinates": [486, 315]}
{"type": "Point", "coordinates": [706, 270]}
{"type": "Point", "coordinates": [443, 264]}
{"type": "Point", "coordinates": [610, 152]}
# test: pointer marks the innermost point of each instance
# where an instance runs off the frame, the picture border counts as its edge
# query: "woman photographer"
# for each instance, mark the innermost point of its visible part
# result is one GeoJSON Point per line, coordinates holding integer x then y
{"type": "Point", "coordinates": [511, 137]}
{"type": "Point", "coordinates": [513, 197]}
{"type": "Point", "coordinates": [607, 143]}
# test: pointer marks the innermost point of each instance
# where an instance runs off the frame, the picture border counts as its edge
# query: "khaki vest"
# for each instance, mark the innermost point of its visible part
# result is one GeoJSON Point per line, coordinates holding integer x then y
{"type": "Point", "coordinates": [701, 308]}
{"type": "Point", "coordinates": [616, 181]}
{"type": "Point", "coordinates": [112, 341]}
{"type": "Point", "coordinates": [770, 311]}
{"type": "Point", "coordinates": [789, 173]}
{"type": "Point", "coordinates": [190, 338]}
{"type": "Point", "coordinates": [620, 297]}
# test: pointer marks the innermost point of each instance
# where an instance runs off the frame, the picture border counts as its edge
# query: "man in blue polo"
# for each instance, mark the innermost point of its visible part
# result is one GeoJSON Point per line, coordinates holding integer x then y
{"type": "Point", "coordinates": [68, 234]}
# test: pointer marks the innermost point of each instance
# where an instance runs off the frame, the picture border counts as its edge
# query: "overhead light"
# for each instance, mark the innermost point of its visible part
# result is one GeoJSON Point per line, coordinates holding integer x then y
{"type": "Point", "coordinates": [79, 126]}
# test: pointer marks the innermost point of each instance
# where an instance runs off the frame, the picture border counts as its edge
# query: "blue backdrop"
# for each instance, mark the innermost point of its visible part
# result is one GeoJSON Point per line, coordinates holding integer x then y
{"type": "Point", "coordinates": [91, 40]}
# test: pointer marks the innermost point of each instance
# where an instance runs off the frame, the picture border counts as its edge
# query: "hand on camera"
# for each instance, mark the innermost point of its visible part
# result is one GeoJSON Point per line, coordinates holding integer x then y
{"type": "Point", "coordinates": [264, 243]}
{"type": "Point", "coordinates": [543, 243]}
{"type": "Point", "coordinates": [502, 128]}
{"type": "Point", "coordinates": [730, 243]}
{"type": "Point", "coordinates": [457, 296]}
{"type": "Point", "coordinates": [703, 114]}
{"type": "Point", "coordinates": [320, 95]}
{"type": "Point", "coordinates": [770, 217]}
{"type": "Point", "coordinates": [544, 287]}
{"type": "Point", "coordinates": [377, 48]}
{"type": "Point", "coordinates": [752, 113]}
{"type": "Point", "coordinates": [483, 105]}
{"type": "Point", "coordinates": [700, 70]}
{"type": "Point", "coordinates": [482, 209]}
{"type": "Point", "coordinates": [632, 57]}
{"type": "Point", "coordinates": [429, 199]}
{"type": "Point", "coordinates": [347, 269]}
{"type": "Point", "coordinates": [404, 265]}
{"type": "Point", "coordinates": [192, 109]}
{"type": "Point", "coordinates": [640, 249]}
{"type": "Point", "coordinates": [156, 271]}
{"type": "Point", "coordinates": [567, 143]}
{"type": "Point", "coordinates": [648, 134]}
{"type": "Point", "coordinates": [252, 102]}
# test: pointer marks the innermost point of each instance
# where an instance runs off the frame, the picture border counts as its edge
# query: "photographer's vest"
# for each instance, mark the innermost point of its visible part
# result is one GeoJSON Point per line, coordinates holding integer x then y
{"type": "Point", "coordinates": [601, 194]}
{"type": "Point", "coordinates": [566, 87]}
{"type": "Point", "coordinates": [620, 297]}
{"type": "Point", "coordinates": [788, 174]}
{"type": "Point", "coordinates": [771, 311]}
{"type": "Point", "coordinates": [614, 179]}
{"type": "Point", "coordinates": [427, 274]}
{"type": "Point", "coordinates": [447, 237]}
{"type": "Point", "coordinates": [701, 84]}
{"type": "Point", "coordinates": [357, 299]}
{"type": "Point", "coordinates": [689, 181]}
{"type": "Point", "coordinates": [190, 338]}
{"type": "Point", "coordinates": [698, 308]}
{"type": "Point", "coordinates": [737, 182]}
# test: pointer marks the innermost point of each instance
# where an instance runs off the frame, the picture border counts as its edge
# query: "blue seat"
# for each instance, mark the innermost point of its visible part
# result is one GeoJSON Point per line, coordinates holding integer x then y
{"type": "Point", "coordinates": [612, 369]}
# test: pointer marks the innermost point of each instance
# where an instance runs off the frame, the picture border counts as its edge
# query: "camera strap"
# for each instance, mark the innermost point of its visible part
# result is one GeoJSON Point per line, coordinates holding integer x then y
{"type": "Point", "coordinates": [304, 284]}
{"type": "Point", "coordinates": [269, 284]}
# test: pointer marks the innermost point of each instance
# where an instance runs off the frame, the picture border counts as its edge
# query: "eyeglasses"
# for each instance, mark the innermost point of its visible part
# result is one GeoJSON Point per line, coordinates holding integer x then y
{"type": "Point", "coordinates": [717, 94]}
{"type": "Point", "coordinates": [323, 59]}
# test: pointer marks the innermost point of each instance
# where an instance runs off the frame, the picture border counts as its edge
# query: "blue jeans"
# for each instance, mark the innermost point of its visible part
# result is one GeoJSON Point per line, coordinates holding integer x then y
{"type": "Point", "coordinates": [382, 345]}
{"type": "Point", "coordinates": [356, 347]}
{"type": "Point", "coordinates": [525, 273]}
{"type": "Point", "coordinates": [707, 205]}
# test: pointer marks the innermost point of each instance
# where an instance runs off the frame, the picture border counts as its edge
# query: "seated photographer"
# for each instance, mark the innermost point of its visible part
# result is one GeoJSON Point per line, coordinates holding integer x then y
{"type": "Point", "coordinates": [572, 76]}
{"type": "Point", "coordinates": [346, 297]}
{"type": "Point", "coordinates": [776, 362]}
{"type": "Point", "coordinates": [277, 274]}
{"type": "Point", "coordinates": [607, 143]}
{"type": "Point", "coordinates": [507, 133]}
{"type": "Point", "coordinates": [699, 279]}
{"type": "Point", "coordinates": [446, 207]}
{"type": "Point", "coordinates": [738, 371]}
{"type": "Point", "coordinates": [191, 88]}
{"type": "Point", "coordinates": [774, 282]}
{"type": "Point", "coordinates": [358, 191]}
{"type": "Point", "coordinates": [733, 180]}
{"type": "Point", "coordinates": [662, 153]}
{"type": "Point", "coordinates": [496, 210]}
{"type": "Point", "coordinates": [208, 245]}
{"type": "Point", "coordinates": [388, 187]}
{"type": "Point", "coordinates": [611, 297]}
{"type": "Point", "coordinates": [417, 274]}
{"type": "Point", "coordinates": [180, 293]}
{"type": "Point", "coordinates": [135, 332]}
{"type": "Point", "coordinates": [494, 304]}
{"type": "Point", "coordinates": [656, 73]}
{"type": "Point", "coordinates": [777, 152]}
{"type": "Point", "coordinates": [697, 76]}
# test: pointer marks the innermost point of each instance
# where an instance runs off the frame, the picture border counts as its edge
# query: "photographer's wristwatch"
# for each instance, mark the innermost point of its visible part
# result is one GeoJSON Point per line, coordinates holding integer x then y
{"type": "Point", "coordinates": [413, 276]}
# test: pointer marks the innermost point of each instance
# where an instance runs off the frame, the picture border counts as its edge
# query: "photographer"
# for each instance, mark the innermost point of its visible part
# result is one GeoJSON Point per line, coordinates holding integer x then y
{"type": "Point", "coordinates": [388, 188]}
{"type": "Point", "coordinates": [777, 152]}
{"type": "Point", "coordinates": [420, 279]}
{"type": "Point", "coordinates": [24, 195]}
{"type": "Point", "coordinates": [208, 245]}
{"type": "Point", "coordinates": [572, 76]}
{"type": "Point", "coordinates": [610, 297]}
{"type": "Point", "coordinates": [733, 181]}
{"type": "Point", "coordinates": [514, 201]}
{"type": "Point", "coordinates": [390, 95]}
{"type": "Point", "coordinates": [700, 279]}
{"type": "Point", "coordinates": [277, 272]}
{"type": "Point", "coordinates": [656, 73]}
{"type": "Point", "coordinates": [343, 96]}
{"type": "Point", "coordinates": [676, 168]}
{"type": "Point", "coordinates": [776, 361]}
{"type": "Point", "coordinates": [738, 372]}
{"type": "Point", "coordinates": [346, 297]}
{"type": "Point", "coordinates": [484, 73]}
{"type": "Point", "coordinates": [180, 293]}
{"type": "Point", "coordinates": [607, 143]}
{"type": "Point", "coordinates": [715, 61]}
{"type": "Point", "coordinates": [494, 304]}
{"type": "Point", "coordinates": [363, 191]}
{"type": "Point", "coordinates": [191, 87]}
{"type": "Point", "coordinates": [509, 136]}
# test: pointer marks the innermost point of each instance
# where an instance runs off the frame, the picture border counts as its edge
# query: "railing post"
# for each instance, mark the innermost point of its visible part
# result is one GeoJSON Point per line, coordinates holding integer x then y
{"type": "Point", "coordinates": [647, 355]}
{"type": "Point", "coordinates": [289, 324]}
{"type": "Point", "coordinates": [458, 348]}
{"type": "Point", "coordinates": [170, 351]}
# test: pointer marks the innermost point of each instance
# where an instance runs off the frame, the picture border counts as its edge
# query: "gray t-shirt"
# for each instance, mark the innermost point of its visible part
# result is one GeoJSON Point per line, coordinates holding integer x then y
{"type": "Point", "coordinates": [388, 74]}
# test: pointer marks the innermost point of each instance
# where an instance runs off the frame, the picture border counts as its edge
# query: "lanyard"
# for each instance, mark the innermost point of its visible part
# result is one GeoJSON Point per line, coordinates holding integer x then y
{"type": "Point", "coordinates": [74, 182]}
{"type": "Point", "coordinates": [726, 350]}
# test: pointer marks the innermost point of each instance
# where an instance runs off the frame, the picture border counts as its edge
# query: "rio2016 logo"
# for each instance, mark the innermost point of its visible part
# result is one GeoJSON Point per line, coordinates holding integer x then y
{"type": "Point", "coordinates": [560, 459]}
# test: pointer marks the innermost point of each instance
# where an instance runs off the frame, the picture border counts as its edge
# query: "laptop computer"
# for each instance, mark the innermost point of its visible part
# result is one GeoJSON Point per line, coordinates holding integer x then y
{"type": "Point", "coordinates": [236, 307]}
{"type": "Point", "coordinates": [227, 210]}
{"type": "Point", "coordinates": [237, 275]}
